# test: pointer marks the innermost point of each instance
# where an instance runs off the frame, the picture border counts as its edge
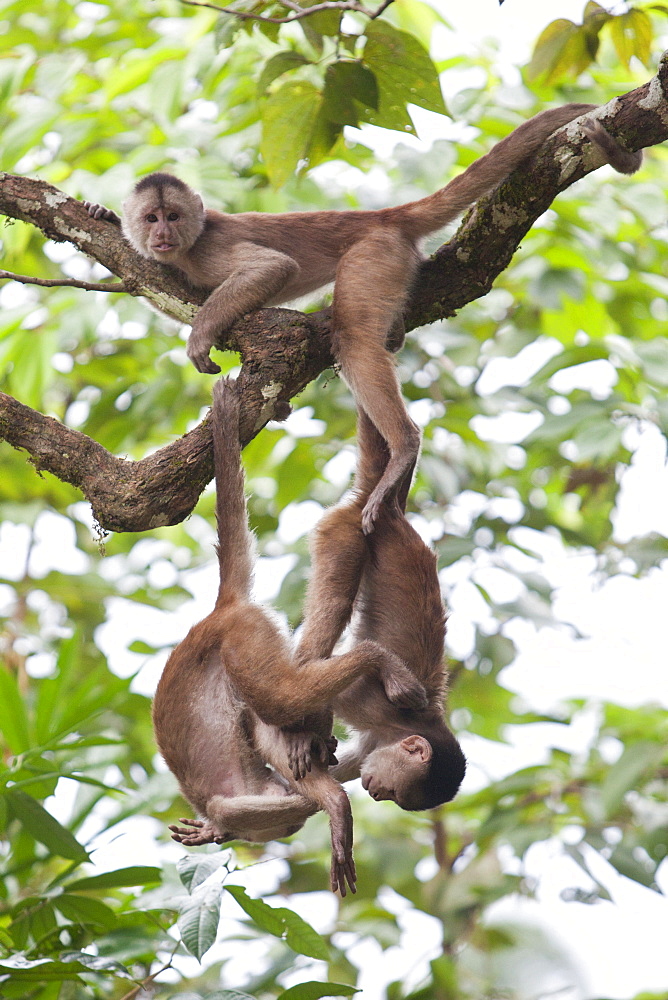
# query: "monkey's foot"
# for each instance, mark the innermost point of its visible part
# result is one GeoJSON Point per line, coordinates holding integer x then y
{"type": "Point", "coordinates": [196, 832]}
{"type": "Point", "coordinates": [370, 514]}
{"type": "Point", "coordinates": [402, 687]}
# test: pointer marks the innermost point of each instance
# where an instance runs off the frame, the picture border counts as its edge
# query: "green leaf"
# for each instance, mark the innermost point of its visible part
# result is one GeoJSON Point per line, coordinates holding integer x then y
{"type": "Point", "coordinates": [193, 869]}
{"type": "Point", "coordinates": [404, 73]}
{"type": "Point", "coordinates": [625, 774]}
{"type": "Point", "coordinates": [654, 358]}
{"type": "Point", "coordinates": [198, 920]}
{"type": "Point", "coordinates": [136, 67]}
{"type": "Point", "coordinates": [83, 910]}
{"type": "Point", "coordinates": [313, 991]}
{"type": "Point", "coordinates": [228, 995]}
{"type": "Point", "coordinates": [288, 119]}
{"type": "Point", "coordinates": [44, 827]}
{"type": "Point", "coordinates": [119, 879]}
{"type": "Point", "coordinates": [266, 917]}
{"type": "Point", "coordinates": [625, 861]}
{"type": "Point", "coordinates": [139, 646]}
{"type": "Point", "coordinates": [632, 36]}
{"type": "Point", "coordinates": [303, 938]}
{"type": "Point", "coordinates": [282, 923]}
{"type": "Point", "coordinates": [13, 717]}
{"type": "Point", "coordinates": [281, 63]}
{"type": "Point", "coordinates": [349, 88]}
{"type": "Point", "coordinates": [562, 48]}
{"type": "Point", "coordinates": [598, 440]}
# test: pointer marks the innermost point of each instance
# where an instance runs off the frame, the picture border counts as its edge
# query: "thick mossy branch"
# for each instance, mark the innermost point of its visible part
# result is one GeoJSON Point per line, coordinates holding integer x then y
{"type": "Point", "coordinates": [282, 350]}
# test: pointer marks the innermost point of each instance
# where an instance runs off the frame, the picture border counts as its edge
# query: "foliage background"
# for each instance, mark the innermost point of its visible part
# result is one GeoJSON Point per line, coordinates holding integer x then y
{"type": "Point", "coordinates": [518, 461]}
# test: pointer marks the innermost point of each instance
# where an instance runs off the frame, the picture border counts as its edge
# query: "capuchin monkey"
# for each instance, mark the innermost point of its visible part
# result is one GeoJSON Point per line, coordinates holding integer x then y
{"type": "Point", "coordinates": [254, 259]}
{"type": "Point", "coordinates": [388, 582]}
{"type": "Point", "coordinates": [233, 682]}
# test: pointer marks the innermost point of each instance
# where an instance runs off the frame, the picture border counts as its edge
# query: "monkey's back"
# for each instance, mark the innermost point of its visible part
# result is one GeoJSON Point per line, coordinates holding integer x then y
{"type": "Point", "coordinates": [399, 604]}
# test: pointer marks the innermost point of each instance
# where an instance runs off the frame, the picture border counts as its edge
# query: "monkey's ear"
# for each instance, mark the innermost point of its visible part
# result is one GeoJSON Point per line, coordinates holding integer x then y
{"type": "Point", "coordinates": [418, 746]}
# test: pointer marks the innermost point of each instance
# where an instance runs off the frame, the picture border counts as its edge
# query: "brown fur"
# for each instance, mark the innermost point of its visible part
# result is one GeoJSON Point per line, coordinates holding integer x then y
{"type": "Point", "coordinates": [388, 582]}
{"type": "Point", "coordinates": [256, 259]}
{"type": "Point", "coordinates": [233, 681]}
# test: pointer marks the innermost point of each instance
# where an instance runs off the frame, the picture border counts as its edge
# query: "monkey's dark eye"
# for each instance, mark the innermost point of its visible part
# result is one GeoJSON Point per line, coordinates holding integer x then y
{"type": "Point", "coordinates": [151, 218]}
{"type": "Point", "coordinates": [172, 217]}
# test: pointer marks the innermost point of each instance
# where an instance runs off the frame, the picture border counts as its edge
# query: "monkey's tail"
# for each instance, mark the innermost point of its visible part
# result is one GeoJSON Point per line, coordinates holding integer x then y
{"type": "Point", "coordinates": [434, 211]}
{"type": "Point", "coordinates": [235, 542]}
{"type": "Point", "coordinates": [372, 458]}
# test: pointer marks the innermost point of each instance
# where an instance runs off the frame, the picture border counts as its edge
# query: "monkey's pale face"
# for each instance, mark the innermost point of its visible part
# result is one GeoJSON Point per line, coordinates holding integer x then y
{"type": "Point", "coordinates": [163, 224]}
{"type": "Point", "coordinates": [397, 771]}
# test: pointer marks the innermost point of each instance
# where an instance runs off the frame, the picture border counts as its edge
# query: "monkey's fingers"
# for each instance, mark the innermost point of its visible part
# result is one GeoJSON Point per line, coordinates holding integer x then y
{"type": "Point", "coordinates": [198, 352]}
{"type": "Point", "coordinates": [100, 212]}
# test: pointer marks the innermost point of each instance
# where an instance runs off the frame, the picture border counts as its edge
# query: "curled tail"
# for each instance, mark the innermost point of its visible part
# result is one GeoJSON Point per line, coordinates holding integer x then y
{"type": "Point", "coordinates": [235, 542]}
{"type": "Point", "coordinates": [430, 213]}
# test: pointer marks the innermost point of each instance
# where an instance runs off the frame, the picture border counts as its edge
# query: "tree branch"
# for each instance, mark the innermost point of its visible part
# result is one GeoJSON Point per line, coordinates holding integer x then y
{"type": "Point", "coordinates": [283, 350]}
{"type": "Point", "coordinates": [88, 286]}
{"type": "Point", "coordinates": [299, 13]}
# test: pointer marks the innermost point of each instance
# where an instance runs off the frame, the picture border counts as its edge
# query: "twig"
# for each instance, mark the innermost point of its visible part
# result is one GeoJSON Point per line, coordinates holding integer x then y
{"type": "Point", "coordinates": [299, 13]}
{"type": "Point", "coordinates": [134, 992]}
{"type": "Point", "coordinates": [88, 286]}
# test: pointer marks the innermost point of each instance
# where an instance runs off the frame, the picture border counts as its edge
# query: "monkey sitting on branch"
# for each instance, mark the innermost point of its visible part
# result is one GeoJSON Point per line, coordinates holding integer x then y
{"type": "Point", "coordinates": [230, 685]}
{"type": "Point", "coordinates": [251, 259]}
{"type": "Point", "coordinates": [389, 584]}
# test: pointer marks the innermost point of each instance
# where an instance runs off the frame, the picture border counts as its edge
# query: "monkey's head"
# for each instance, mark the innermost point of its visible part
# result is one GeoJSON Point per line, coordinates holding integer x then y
{"type": "Point", "coordinates": [416, 772]}
{"type": "Point", "coordinates": [162, 217]}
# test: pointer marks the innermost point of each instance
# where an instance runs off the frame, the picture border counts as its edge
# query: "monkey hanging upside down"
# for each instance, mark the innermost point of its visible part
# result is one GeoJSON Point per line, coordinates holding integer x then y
{"type": "Point", "coordinates": [389, 584]}
{"type": "Point", "coordinates": [250, 260]}
{"type": "Point", "coordinates": [232, 684]}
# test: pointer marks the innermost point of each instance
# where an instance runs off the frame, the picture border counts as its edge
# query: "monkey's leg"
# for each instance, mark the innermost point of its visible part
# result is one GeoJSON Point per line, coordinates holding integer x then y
{"type": "Point", "coordinates": [258, 812]}
{"type": "Point", "coordinates": [338, 553]}
{"type": "Point", "coordinates": [371, 285]}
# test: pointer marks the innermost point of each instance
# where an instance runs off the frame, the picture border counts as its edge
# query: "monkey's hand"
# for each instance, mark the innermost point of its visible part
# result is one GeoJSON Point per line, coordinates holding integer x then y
{"type": "Point", "coordinates": [303, 747]}
{"type": "Point", "coordinates": [200, 343]}
{"type": "Point", "coordinates": [401, 686]}
{"type": "Point", "coordinates": [100, 212]}
{"type": "Point", "coordinates": [196, 832]}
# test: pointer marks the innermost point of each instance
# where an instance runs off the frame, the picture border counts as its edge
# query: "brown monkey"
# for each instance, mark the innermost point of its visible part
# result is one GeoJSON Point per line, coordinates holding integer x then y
{"type": "Point", "coordinates": [388, 581]}
{"type": "Point", "coordinates": [233, 681]}
{"type": "Point", "coordinates": [253, 259]}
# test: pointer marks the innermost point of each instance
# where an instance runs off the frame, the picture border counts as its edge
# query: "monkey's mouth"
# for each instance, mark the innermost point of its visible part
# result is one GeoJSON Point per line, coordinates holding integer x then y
{"type": "Point", "coordinates": [163, 247]}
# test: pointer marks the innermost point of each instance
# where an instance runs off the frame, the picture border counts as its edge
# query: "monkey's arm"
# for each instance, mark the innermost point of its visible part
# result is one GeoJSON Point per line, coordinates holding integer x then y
{"type": "Point", "coordinates": [325, 793]}
{"type": "Point", "coordinates": [256, 275]}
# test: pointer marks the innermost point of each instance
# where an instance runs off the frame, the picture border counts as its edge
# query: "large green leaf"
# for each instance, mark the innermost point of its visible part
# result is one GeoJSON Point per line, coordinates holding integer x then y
{"type": "Point", "coordinates": [44, 827]}
{"type": "Point", "coordinates": [288, 119]}
{"type": "Point", "coordinates": [281, 922]}
{"type": "Point", "coordinates": [199, 918]}
{"type": "Point", "coordinates": [314, 991]}
{"type": "Point", "coordinates": [118, 879]}
{"type": "Point", "coordinates": [404, 73]}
